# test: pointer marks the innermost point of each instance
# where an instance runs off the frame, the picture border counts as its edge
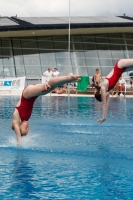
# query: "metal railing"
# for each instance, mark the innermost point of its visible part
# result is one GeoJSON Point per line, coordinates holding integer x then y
{"type": "Point", "coordinates": [33, 79]}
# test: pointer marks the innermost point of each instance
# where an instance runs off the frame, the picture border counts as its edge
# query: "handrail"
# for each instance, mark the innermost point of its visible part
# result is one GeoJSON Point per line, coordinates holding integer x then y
{"type": "Point", "coordinates": [33, 76]}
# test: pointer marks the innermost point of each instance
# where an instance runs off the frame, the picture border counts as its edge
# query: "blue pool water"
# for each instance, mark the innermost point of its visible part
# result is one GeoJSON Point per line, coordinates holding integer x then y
{"type": "Point", "coordinates": [68, 155]}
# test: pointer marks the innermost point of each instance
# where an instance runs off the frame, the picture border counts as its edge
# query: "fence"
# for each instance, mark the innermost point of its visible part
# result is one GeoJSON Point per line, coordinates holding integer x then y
{"type": "Point", "coordinates": [30, 80]}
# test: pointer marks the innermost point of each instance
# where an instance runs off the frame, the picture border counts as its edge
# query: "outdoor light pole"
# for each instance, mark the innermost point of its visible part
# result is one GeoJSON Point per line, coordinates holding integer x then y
{"type": "Point", "coordinates": [69, 31]}
{"type": "Point", "coordinates": [69, 45]}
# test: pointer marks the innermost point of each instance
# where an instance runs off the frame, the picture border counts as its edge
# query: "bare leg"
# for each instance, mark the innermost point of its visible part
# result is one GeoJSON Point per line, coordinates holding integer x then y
{"type": "Point", "coordinates": [128, 63]}
{"type": "Point", "coordinates": [61, 80]}
{"type": "Point", "coordinates": [41, 89]}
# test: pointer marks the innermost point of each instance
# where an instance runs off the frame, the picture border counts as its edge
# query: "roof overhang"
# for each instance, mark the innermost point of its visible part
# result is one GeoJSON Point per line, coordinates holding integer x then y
{"type": "Point", "coordinates": [76, 31]}
{"type": "Point", "coordinates": [44, 26]}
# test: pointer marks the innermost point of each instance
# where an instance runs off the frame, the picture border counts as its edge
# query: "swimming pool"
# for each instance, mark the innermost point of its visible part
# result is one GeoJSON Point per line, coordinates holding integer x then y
{"type": "Point", "coordinates": [68, 155]}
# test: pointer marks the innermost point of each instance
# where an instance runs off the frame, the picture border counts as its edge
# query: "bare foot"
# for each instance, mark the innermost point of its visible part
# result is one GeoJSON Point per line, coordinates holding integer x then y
{"type": "Point", "coordinates": [73, 77]}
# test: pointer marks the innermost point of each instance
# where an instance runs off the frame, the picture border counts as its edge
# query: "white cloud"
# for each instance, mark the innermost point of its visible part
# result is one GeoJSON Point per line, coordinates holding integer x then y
{"type": "Point", "coordinates": [42, 8]}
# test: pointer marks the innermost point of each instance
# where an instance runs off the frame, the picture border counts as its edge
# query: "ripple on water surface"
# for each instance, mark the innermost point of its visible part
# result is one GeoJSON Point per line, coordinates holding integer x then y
{"type": "Point", "coordinates": [67, 155]}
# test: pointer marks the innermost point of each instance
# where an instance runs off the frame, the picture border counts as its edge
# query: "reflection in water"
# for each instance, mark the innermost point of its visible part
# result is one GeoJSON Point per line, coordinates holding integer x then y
{"type": "Point", "coordinates": [23, 173]}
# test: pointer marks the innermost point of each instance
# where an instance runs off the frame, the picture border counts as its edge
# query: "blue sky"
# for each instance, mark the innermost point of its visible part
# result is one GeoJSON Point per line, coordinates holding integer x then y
{"type": "Point", "coordinates": [42, 8]}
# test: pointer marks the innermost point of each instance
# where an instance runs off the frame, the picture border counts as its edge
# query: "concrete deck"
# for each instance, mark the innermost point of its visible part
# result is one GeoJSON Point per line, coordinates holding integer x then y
{"type": "Point", "coordinates": [18, 93]}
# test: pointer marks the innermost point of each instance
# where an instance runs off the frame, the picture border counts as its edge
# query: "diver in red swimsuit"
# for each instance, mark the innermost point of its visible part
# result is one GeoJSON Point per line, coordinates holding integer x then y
{"type": "Point", "coordinates": [111, 79]}
{"type": "Point", "coordinates": [24, 106]}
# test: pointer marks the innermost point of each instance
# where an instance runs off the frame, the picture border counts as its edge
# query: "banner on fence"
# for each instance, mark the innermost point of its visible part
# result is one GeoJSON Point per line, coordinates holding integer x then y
{"type": "Point", "coordinates": [12, 83]}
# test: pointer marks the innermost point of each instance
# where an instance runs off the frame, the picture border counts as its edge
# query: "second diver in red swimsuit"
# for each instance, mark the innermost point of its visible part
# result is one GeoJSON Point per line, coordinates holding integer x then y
{"type": "Point", "coordinates": [111, 79]}
{"type": "Point", "coordinates": [24, 106]}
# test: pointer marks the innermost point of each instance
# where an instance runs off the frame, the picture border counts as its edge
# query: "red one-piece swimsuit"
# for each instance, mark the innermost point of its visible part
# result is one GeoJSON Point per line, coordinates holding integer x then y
{"type": "Point", "coordinates": [115, 77]}
{"type": "Point", "coordinates": [26, 106]}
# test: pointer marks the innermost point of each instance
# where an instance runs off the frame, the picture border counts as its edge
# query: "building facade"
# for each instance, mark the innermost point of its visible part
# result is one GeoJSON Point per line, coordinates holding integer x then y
{"type": "Point", "coordinates": [29, 46]}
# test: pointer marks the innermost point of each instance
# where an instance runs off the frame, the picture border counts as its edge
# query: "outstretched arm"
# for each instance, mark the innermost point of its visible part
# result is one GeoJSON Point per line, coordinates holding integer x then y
{"type": "Point", "coordinates": [18, 134]}
{"type": "Point", "coordinates": [105, 97]}
{"type": "Point", "coordinates": [16, 127]}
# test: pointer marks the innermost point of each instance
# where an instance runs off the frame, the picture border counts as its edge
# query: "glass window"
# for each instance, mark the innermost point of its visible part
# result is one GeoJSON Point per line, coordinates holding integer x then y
{"type": "Point", "coordinates": [61, 54]}
{"type": "Point", "coordinates": [129, 42]}
{"type": "Point", "coordinates": [61, 49]}
{"type": "Point", "coordinates": [82, 71]}
{"type": "Point", "coordinates": [9, 71]}
{"type": "Point", "coordinates": [114, 35]}
{"type": "Point", "coordinates": [130, 50]}
{"type": "Point", "coordinates": [47, 58]}
{"type": "Point", "coordinates": [63, 62]}
{"type": "Point", "coordinates": [45, 46]}
{"type": "Point", "coordinates": [16, 43]}
{"type": "Point", "coordinates": [128, 35]}
{"type": "Point", "coordinates": [105, 70]}
{"type": "Point", "coordinates": [117, 51]}
{"type": "Point", "coordinates": [50, 62]}
{"type": "Point", "coordinates": [33, 71]}
{"type": "Point", "coordinates": [20, 70]}
{"type": "Point", "coordinates": [92, 62]}
{"type": "Point", "coordinates": [47, 54]}
{"type": "Point", "coordinates": [78, 62]}
{"type": "Point", "coordinates": [7, 52]}
{"type": "Point", "coordinates": [90, 50]}
{"type": "Point", "coordinates": [60, 38]}
{"type": "Point", "coordinates": [1, 71]}
{"type": "Point", "coordinates": [106, 62]}
{"type": "Point", "coordinates": [88, 39]}
{"type": "Point", "coordinates": [114, 61]}
{"type": "Point", "coordinates": [130, 54]}
{"type": "Point", "coordinates": [103, 51]}
{"type": "Point", "coordinates": [116, 46]}
{"type": "Point", "coordinates": [8, 61]}
{"type": "Point", "coordinates": [19, 60]}
{"type": "Point", "coordinates": [1, 63]}
{"type": "Point", "coordinates": [29, 46]}
{"type": "Point", "coordinates": [17, 52]}
{"type": "Point", "coordinates": [46, 51]}
{"type": "Point", "coordinates": [31, 60]}
{"type": "Point", "coordinates": [65, 70]}
{"type": "Point", "coordinates": [77, 46]}
{"type": "Point", "coordinates": [37, 54]}
{"type": "Point", "coordinates": [6, 47]}
{"type": "Point", "coordinates": [44, 38]}
{"type": "Point", "coordinates": [76, 54]}
{"type": "Point", "coordinates": [30, 53]}
{"type": "Point", "coordinates": [102, 39]}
